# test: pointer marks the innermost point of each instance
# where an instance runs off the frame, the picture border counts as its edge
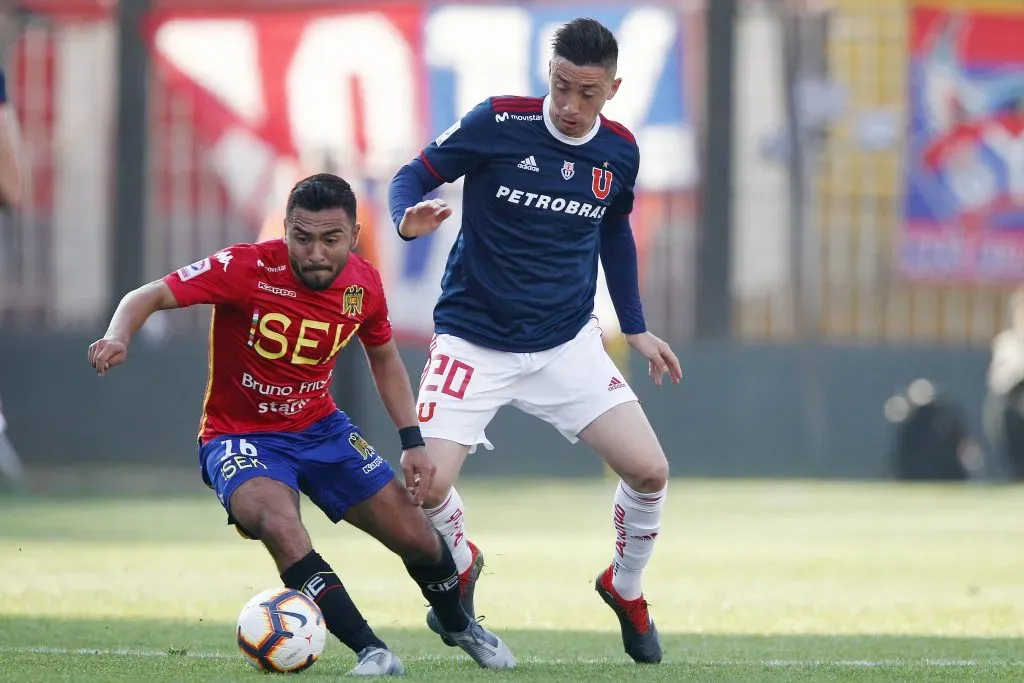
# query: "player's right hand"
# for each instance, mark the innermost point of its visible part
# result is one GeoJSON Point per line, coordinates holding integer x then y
{"type": "Point", "coordinates": [419, 472]}
{"type": "Point", "coordinates": [106, 353]}
{"type": "Point", "coordinates": [660, 359]}
{"type": "Point", "coordinates": [424, 218]}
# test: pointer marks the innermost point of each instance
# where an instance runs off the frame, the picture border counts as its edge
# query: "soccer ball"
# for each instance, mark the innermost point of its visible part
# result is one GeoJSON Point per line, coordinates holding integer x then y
{"type": "Point", "coordinates": [281, 630]}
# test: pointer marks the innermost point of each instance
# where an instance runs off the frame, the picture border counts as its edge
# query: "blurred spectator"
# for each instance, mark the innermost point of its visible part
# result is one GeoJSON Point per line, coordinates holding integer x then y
{"type": "Point", "coordinates": [10, 463]}
{"type": "Point", "coordinates": [1004, 405]}
{"type": "Point", "coordinates": [10, 166]}
{"type": "Point", "coordinates": [932, 439]}
{"type": "Point", "coordinates": [10, 198]}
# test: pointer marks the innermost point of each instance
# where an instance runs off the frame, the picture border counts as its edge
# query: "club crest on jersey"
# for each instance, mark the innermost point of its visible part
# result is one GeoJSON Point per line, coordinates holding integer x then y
{"type": "Point", "coordinates": [602, 185]}
{"type": "Point", "coordinates": [352, 300]}
{"type": "Point", "coordinates": [568, 170]}
{"type": "Point", "coordinates": [364, 448]}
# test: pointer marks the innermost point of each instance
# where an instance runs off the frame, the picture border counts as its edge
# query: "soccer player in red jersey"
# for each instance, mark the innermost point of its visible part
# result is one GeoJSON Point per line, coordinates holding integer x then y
{"type": "Point", "coordinates": [283, 310]}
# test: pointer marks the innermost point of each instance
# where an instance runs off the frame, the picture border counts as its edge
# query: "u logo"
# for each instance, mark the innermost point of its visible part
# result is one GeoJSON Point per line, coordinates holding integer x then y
{"type": "Point", "coordinates": [602, 184]}
{"type": "Point", "coordinates": [425, 411]}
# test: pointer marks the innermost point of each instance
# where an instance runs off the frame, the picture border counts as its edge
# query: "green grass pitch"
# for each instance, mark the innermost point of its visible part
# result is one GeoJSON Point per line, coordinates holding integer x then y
{"type": "Point", "coordinates": [760, 581]}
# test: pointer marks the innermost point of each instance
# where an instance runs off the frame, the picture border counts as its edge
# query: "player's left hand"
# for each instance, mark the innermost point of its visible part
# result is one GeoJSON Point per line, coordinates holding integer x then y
{"type": "Point", "coordinates": [660, 358]}
{"type": "Point", "coordinates": [419, 472]}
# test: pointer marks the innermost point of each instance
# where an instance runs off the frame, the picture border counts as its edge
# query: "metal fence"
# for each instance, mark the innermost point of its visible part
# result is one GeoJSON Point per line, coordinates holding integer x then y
{"type": "Point", "coordinates": [838, 276]}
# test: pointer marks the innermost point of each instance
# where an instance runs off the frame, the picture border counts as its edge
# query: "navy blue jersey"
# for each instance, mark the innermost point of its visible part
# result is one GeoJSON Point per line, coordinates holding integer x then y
{"type": "Point", "coordinates": [522, 273]}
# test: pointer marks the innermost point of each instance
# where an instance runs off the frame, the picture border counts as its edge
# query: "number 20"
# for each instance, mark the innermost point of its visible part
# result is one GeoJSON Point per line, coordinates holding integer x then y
{"type": "Point", "coordinates": [452, 370]}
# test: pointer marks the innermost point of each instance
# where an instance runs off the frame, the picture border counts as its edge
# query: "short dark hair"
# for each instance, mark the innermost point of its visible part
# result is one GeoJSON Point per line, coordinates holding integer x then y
{"type": "Point", "coordinates": [586, 42]}
{"type": "Point", "coordinates": [320, 192]}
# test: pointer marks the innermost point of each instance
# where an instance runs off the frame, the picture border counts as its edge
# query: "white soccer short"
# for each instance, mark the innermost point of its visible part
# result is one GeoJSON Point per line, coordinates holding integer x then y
{"type": "Point", "coordinates": [569, 386]}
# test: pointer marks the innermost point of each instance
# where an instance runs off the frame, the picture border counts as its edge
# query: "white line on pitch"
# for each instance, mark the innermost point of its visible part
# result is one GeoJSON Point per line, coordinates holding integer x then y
{"type": "Point", "coordinates": [771, 663]}
{"type": "Point", "coordinates": [119, 652]}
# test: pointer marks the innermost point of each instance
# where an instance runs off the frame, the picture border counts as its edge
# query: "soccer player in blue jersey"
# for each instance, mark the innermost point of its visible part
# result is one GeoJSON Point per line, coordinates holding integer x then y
{"type": "Point", "coordinates": [548, 190]}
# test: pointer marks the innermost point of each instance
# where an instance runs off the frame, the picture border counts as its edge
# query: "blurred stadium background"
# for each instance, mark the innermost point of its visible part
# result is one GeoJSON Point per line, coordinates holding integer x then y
{"type": "Point", "coordinates": [800, 244]}
{"type": "Point", "coordinates": [831, 245]}
{"type": "Point", "coordinates": [805, 242]}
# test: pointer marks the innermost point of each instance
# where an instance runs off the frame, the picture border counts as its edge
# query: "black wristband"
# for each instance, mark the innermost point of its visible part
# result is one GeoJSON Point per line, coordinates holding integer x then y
{"type": "Point", "coordinates": [411, 437]}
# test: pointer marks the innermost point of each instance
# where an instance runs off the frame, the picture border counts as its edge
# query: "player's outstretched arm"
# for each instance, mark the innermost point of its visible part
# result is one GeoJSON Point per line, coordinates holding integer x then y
{"type": "Point", "coordinates": [465, 146]}
{"type": "Point", "coordinates": [132, 313]}
{"type": "Point", "coordinates": [10, 161]}
{"type": "Point", "coordinates": [392, 380]}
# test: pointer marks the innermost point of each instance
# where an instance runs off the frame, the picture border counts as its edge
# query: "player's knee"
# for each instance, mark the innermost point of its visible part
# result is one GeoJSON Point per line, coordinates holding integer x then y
{"type": "Point", "coordinates": [439, 490]}
{"type": "Point", "coordinates": [435, 497]}
{"type": "Point", "coordinates": [448, 457]}
{"type": "Point", "coordinates": [650, 479]}
{"type": "Point", "coordinates": [278, 525]}
{"type": "Point", "coordinates": [422, 548]}
{"type": "Point", "coordinates": [283, 534]}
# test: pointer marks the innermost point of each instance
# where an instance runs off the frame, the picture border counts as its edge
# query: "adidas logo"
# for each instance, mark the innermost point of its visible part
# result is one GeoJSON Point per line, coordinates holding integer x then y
{"type": "Point", "coordinates": [529, 164]}
{"type": "Point", "coordinates": [616, 383]}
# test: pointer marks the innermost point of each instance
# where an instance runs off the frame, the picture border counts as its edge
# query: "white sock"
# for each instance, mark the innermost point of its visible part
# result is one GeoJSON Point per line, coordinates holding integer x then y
{"type": "Point", "coordinates": [637, 520]}
{"type": "Point", "coordinates": [448, 519]}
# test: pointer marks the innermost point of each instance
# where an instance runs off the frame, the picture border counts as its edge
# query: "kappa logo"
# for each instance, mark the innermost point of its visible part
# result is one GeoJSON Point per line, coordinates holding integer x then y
{"type": "Point", "coordinates": [373, 464]}
{"type": "Point", "coordinates": [198, 268]}
{"type": "Point", "coordinates": [568, 170]}
{"type": "Point", "coordinates": [276, 290]}
{"type": "Point", "coordinates": [224, 258]}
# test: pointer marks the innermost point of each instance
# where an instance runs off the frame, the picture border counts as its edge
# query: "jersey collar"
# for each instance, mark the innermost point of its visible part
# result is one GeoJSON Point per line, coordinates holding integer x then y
{"type": "Point", "coordinates": [562, 137]}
